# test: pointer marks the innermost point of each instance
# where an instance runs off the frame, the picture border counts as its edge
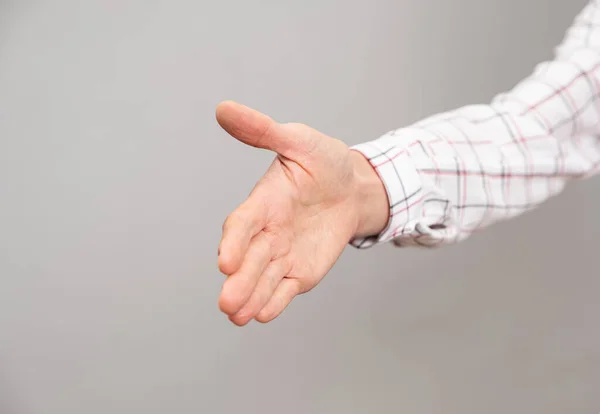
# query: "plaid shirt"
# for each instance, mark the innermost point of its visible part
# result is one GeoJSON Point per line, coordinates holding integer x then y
{"type": "Point", "coordinates": [458, 172]}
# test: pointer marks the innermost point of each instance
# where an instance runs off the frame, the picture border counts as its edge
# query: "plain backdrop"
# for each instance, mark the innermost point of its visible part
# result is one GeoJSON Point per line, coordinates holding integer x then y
{"type": "Point", "coordinates": [115, 179]}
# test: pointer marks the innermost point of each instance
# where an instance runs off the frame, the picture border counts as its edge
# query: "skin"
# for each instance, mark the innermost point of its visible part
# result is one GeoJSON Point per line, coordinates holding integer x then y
{"type": "Point", "coordinates": [315, 197]}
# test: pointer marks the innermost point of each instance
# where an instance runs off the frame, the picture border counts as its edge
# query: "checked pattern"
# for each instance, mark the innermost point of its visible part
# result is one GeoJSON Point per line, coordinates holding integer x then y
{"type": "Point", "coordinates": [458, 172]}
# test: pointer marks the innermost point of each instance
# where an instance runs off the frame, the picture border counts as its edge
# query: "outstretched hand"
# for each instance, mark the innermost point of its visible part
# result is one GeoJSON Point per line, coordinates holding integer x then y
{"type": "Point", "coordinates": [315, 197]}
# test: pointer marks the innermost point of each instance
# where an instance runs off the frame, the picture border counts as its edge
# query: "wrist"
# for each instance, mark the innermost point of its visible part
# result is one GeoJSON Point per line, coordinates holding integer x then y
{"type": "Point", "coordinates": [370, 197]}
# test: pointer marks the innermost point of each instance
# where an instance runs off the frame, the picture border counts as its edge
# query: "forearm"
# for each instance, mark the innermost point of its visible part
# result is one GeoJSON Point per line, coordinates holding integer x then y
{"type": "Point", "coordinates": [458, 172]}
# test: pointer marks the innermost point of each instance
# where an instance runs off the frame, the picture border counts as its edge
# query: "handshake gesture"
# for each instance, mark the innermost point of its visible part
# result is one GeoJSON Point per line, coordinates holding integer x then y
{"type": "Point", "coordinates": [315, 197]}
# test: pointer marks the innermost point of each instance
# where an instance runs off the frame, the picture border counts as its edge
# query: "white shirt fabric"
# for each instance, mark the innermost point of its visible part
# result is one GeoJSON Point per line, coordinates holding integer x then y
{"type": "Point", "coordinates": [458, 172]}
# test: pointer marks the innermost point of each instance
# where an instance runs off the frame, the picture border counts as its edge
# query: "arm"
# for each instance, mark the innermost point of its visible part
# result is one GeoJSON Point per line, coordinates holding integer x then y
{"type": "Point", "coordinates": [434, 182]}
{"type": "Point", "coordinates": [458, 172]}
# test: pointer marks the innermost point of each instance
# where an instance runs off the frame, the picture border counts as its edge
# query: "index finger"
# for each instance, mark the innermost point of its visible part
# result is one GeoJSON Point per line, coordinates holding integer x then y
{"type": "Point", "coordinates": [239, 228]}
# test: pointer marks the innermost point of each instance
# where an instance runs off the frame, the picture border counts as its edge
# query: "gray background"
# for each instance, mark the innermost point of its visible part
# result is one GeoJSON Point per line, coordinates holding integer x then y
{"type": "Point", "coordinates": [114, 181]}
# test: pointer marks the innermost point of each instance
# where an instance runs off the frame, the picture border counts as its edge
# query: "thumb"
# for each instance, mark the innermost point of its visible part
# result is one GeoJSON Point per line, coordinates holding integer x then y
{"type": "Point", "coordinates": [256, 129]}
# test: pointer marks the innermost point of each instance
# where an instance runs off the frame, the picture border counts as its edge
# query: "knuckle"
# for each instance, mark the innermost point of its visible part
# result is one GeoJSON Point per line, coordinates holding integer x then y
{"type": "Point", "coordinates": [295, 125]}
{"type": "Point", "coordinates": [262, 135]}
{"type": "Point", "coordinates": [307, 137]}
{"type": "Point", "coordinates": [249, 215]}
{"type": "Point", "coordinates": [259, 300]}
{"type": "Point", "coordinates": [233, 220]}
{"type": "Point", "coordinates": [227, 223]}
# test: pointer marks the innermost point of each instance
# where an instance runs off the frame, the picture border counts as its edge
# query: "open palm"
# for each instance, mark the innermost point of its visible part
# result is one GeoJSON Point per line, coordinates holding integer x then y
{"type": "Point", "coordinates": [296, 222]}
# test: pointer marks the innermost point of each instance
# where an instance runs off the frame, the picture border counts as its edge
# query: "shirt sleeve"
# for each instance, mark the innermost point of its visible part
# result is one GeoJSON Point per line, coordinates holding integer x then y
{"type": "Point", "coordinates": [456, 173]}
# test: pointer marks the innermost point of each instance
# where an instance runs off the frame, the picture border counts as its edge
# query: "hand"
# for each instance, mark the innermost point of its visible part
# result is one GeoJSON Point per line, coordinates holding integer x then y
{"type": "Point", "coordinates": [316, 196]}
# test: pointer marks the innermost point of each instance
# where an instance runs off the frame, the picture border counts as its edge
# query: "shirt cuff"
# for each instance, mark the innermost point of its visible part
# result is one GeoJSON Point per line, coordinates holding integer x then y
{"type": "Point", "coordinates": [404, 190]}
